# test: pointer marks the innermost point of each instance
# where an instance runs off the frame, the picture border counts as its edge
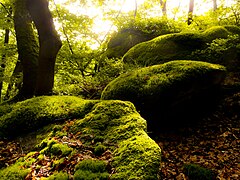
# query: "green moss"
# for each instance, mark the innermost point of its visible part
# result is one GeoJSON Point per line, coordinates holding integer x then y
{"type": "Point", "coordinates": [215, 32]}
{"type": "Point", "coordinates": [107, 124]}
{"type": "Point", "coordinates": [197, 172]}
{"type": "Point", "coordinates": [137, 85]}
{"type": "Point", "coordinates": [113, 120]}
{"type": "Point", "coordinates": [37, 112]}
{"type": "Point", "coordinates": [60, 149]}
{"type": "Point", "coordinates": [58, 176]}
{"type": "Point", "coordinates": [91, 169]}
{"type": "Point", "coordinates": [88, 175]}
{"type": "Point", "coordinates": [175, 46]}
{"type": "Point", "coordinates": [14, 172]}
{"type": "Point", "coordinates": [163, 48]}
{"type": "Point", "coordinates": [233, 29]}
{"type": "Point", "coordinates": [120, 125]}
{"type": "Point", "coordinates": [137, 158]}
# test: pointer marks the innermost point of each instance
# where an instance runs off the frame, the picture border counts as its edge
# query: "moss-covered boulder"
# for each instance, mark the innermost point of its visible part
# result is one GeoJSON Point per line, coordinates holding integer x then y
{"type": "Point", "coordinates": [31, 114]}
{"type": "Point", "coordinates": [113, 128]}
{"type": "Point", "coordinates": [164, 48]}
{"type": "Point", "coordinates": [215, 32]}
{"type": "Point", "coordinates": [172, 91]}
{"type": "Point", "coordinates": [178, 46]}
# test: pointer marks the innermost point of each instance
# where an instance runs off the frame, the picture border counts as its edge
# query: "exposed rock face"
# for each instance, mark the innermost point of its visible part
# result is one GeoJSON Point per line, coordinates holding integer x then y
{"type": "Point", "coordinates": [114, 125]}
{"type": "Point", "coordinates": [169, 93]}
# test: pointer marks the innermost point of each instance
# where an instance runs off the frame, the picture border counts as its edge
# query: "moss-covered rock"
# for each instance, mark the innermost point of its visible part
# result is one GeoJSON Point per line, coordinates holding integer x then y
{"type": "Point", "coordinates": [176, 46]}
{"type": "Point", "coordinates": [215, 32]}
{"type": "Point", "coordinates": [137, 155]}
{"type": "Point", "coordinates": [172, 90]}
{"type": "Point", "coordinates": [233, 29]}
{"type": "Point", "coordinates": [114, 126]}
{"type": "Point", "coordinates": [164, 48]}
{"type": "Point", "coordinates": [34, 113]}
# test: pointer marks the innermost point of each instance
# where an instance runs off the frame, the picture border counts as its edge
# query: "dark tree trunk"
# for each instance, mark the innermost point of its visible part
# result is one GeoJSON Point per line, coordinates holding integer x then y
{"type": "Point", "coordinates": [190, 12]}
{"type": "Point", "coordinates": [163, 4]}
{"type": "Point", "coordinates": [50, 44]}
{"type": "Point", "coordinates": [27, 48]}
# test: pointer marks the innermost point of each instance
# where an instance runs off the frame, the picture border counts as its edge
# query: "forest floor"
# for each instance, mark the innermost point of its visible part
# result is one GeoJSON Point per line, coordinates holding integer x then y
{"type": "Point", "coordinates": [213, 144]}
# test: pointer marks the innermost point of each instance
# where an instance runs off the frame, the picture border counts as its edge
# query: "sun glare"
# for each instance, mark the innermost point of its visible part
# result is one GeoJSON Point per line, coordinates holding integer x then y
{"type": "Point", "coordinates": [103, 26]}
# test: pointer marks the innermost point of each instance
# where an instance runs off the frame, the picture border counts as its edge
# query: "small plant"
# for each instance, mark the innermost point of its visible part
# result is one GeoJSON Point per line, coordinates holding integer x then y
{"type": "Point", "coordinates": [196, 172]}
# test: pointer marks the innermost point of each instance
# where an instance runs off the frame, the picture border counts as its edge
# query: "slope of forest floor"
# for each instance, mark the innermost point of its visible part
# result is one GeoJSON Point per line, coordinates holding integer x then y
{"type": "Point", "coordinates": [213, 144]}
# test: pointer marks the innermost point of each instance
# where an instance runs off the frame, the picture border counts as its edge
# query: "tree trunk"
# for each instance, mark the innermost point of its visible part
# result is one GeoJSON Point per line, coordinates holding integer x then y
{"type": "Point", "coordinates": [50, 44]}
{"type": "Point", "coordinates": [163, 4]}
{"type": "Point", "coordinates": [214, 5]}
{"type": "Point", "coordinates": [190, 12]}
{"type": "Point", "coordinates": [15, 82]}
{"type": "Point", "coordinates": [6, 41]}
{"type": "Point", "coordinates": [3, 62]}
{"type": "Point", "coordinates": [27, 48]}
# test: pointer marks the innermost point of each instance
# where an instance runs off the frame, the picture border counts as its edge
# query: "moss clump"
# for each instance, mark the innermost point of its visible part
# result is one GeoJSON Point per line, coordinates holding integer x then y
{"type": "Point", "coordinates": [175, 46]}
{"type": "Point", "coordinates": [196, 172]}
{"type": "Point", "coordinates": [171, 92]}
{"type": "Point", "coordinates": [233, 29]}
{"type": "Point", "coordinates": [36, 112]}
{"type": "Point", "coordinates": [14, 172]}
{"type": "Point", "coordinates": [60, 149]}
{"type": "Point", "coordinates": [91, 169]}
{"type": "Point", "coordinates": [164, 48]}
{"type": "Point", "coordinates": [111, 125]}
{"type": "Point", "coordinates": [20, 169]}
{"type": "Point", "coordinates": [215, 32]}
{"type": "Point", "coordinates": [137, 158]}
{"type": "Point", "coordinates": [120, 125]}
{"type": "Point", "coordinates": [137, 85]}
{"type": "Point", "coordinates": [58, 176]}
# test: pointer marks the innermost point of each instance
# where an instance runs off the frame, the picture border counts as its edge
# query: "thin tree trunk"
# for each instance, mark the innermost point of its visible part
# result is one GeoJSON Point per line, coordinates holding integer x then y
{"type": "Point", "coordinates": [3, 62]}
{"type": "Point", "coordinates": [27, 48]}
{"type": "Point", "coordinates": [190, 12]}
{"type": "Point", "coordinates": [50, 44]}
{"type": "Point", "coordinates": [163, 4]}
{"type": "Point", "coordinates": [136, 8]}
{"type": "Point", "coordinates": [214, 5]}
{"type": "Point", "coordinates": [14, 81]}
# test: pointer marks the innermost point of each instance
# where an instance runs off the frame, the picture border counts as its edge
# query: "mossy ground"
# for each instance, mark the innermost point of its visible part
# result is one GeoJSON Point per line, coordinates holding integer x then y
{"type": "Point", "coordinates": [112, 132]}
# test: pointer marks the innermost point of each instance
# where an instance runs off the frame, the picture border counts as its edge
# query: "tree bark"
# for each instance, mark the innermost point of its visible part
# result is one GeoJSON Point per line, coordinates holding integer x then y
{"type": "Point", "coordinates": [190, 12]}
{"type": "Point", "coordinates": [163, 4]}
{"type": "Point", "coordinates": [3, 62]}
{"type": "Point", "coordinates": [214, 5]}
{"type": "Point", "coordinates": [27, 48]}
{"type": "Point", "coordinates": [50, 44]}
